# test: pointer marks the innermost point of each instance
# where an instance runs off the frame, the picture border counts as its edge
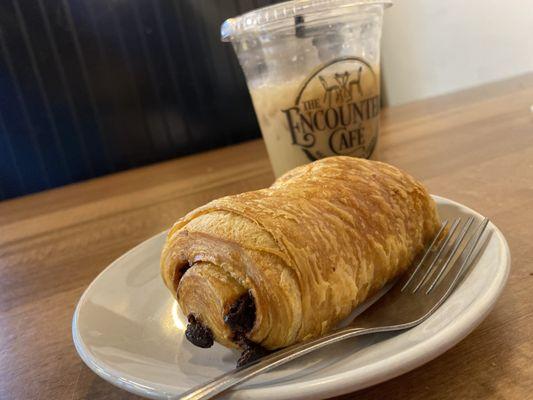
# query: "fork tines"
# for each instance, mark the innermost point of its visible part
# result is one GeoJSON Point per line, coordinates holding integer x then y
{"type": "Point", "coordinates": [446, 258]}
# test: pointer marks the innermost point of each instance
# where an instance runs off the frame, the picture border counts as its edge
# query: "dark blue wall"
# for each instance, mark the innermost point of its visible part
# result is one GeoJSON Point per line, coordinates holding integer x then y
{"type": "Point", "coordinates": [90, 87]}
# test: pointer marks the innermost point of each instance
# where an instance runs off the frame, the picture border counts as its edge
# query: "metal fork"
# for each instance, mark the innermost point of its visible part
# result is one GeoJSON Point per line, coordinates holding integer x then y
{"type": "Point", "coordinates": [410, 301]}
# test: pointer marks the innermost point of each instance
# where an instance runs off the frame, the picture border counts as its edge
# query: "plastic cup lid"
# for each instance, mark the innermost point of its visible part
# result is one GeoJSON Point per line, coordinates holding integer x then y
{"type": "Point", "coordinates": [284, 14]}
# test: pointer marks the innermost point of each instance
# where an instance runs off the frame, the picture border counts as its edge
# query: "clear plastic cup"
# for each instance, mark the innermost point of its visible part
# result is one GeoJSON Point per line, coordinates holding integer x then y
{"type": "Point", "coordinates": [312, 68]}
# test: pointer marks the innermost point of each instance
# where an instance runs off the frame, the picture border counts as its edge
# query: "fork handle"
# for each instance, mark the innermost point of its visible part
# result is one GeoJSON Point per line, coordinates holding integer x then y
{"type": "Point", "coordinates": [232, 378]}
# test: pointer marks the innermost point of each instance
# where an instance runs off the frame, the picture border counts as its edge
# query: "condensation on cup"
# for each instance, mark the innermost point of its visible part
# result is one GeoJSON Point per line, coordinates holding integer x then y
{"type": "Point", "coordinates": [312, 68]}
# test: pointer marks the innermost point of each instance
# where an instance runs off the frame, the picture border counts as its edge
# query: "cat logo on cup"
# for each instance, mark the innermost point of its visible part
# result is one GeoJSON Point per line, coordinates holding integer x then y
{"type": "Point", "coordinates": [336, 110]}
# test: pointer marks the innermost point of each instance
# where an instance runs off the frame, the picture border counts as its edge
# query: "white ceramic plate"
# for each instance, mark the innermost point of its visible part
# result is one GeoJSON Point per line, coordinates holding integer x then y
{"type": "Point", "coordinates": [128, 330]}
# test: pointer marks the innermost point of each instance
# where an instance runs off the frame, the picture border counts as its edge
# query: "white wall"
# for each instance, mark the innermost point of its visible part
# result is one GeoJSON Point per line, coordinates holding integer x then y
{"type": "Point", "coordinates": [431, 47]}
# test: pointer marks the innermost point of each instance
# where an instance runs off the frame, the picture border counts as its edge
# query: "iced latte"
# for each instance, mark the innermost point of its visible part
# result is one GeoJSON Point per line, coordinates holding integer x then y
{"type": "Point", "coordinates": [313, 77]}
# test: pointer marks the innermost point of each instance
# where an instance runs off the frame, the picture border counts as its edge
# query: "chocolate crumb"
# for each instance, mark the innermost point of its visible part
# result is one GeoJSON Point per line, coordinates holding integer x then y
{"type": "Point", "coordinates": [198, 334]}
{"type": "Point", "coordinates": [241, 314]}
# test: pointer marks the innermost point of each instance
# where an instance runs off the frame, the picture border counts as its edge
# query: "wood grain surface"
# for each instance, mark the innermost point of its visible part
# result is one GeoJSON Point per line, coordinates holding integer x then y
{"type": "Point", "coordinates": [475, 147]}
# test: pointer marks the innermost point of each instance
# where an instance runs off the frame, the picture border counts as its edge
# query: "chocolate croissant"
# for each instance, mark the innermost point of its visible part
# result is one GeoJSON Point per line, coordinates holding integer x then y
{"type": "Point", "coordinates": [265, 269]}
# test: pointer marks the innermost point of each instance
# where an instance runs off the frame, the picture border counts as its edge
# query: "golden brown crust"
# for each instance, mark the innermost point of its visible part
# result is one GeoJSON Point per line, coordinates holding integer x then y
{"type": "Point", "coordinates": [310, 248]}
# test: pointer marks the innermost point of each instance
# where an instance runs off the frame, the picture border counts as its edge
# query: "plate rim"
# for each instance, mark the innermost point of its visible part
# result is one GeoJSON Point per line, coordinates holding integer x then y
{"type": "Point", "coordinates": [340, 383]}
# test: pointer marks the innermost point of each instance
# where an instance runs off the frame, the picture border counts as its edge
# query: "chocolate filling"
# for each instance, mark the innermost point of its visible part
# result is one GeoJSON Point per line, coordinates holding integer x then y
{"type": "Point", "coordinates": [241, 318]}
{"type": "Point", "coordinates": [198, 334]}
{"type": "Point", "coordinates": [185, 268]}
{"type": "Point", "coordinates": [251, 351]}
{"type": "Point", "coordinates": [241, 314]}
{"type": "Point", "coordinates": [180, 271]}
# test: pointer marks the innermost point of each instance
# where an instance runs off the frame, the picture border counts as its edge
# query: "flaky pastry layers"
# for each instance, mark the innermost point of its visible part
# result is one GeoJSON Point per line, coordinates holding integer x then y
{"type": "Point", "coordinates": [284, 264]}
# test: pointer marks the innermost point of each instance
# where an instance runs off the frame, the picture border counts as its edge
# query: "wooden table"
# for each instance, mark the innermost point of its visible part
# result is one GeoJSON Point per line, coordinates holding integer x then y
{"type": "Point", "coordinates": [475, 147]}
